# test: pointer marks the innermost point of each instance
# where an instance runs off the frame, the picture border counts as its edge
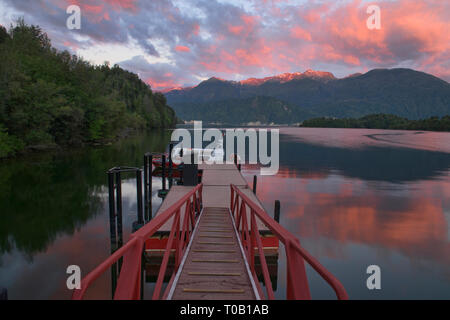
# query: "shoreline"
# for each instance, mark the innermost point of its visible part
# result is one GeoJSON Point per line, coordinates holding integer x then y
{"type": "Point", "coordinates": [42, 149]}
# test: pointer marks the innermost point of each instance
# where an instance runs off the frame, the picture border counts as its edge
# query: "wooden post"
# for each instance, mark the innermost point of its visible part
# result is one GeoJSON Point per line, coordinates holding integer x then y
{"type": "Point", "coordinates": [113, 230]}
{"type": "Point", "coordinates": [148, 160]}
{"type": "Point", "coordinates": [140, 210]}
{"type": "Point", "coordinates": [163, 175]}
{"type": "Point", "coordinates": [119, 215]}
{"type": "Point", "coordinates": [170, 165]}
{"type": "Point", "coordinates": [276, 214]}
{"type": "Point", "coordinates": [146, 187]}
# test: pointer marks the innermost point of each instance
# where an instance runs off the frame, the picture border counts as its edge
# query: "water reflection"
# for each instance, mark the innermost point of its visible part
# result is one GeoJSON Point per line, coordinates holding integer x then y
{"type": "Point", "coordinates": [364, 204]}
{"type": "Point", "coordinates": [352, 199]}
{"type": "Point", "coordinates": [54, 213]}
{"type": "Point", "coordinates": [47, 196]}
{"type": "Point", "coordinates": [368, 163]}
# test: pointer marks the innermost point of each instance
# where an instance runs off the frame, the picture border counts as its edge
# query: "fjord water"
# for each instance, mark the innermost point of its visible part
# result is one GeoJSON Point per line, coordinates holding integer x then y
{"type": "Point", "coordinates": [353, 197]}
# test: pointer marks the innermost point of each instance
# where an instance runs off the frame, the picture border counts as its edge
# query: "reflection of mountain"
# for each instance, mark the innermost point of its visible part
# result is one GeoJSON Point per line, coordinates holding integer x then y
{"type": "Point", "coordinates": [369, 163]}
{"type": "Point", "coordinates": [46, 196]}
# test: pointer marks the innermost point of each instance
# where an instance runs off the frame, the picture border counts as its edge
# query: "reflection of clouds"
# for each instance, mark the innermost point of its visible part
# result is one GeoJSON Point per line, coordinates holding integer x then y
{"type": "Point", "coordinates": [412, 221]}
{"type": "Point", "coordinates": [39, 281]}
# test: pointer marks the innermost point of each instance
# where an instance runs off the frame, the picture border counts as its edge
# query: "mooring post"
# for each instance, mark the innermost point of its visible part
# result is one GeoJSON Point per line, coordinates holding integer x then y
{"type": "Point", "coordinates": [150, 188]}
{"type": "Point", "coordinates": [181, 166]}
{"type": "Point", "coordinates": [170, 165]}
{"type": "Point", "coordinates": [254, 184]}
{"type": "Point", "coordinates": [163, 175]}
{"type": "Point", "coordinates": [276, 214]}
{"type": "Point", "coordinates": [112, 228]}
{"type": "Point", "coordinates": [146, 156]}
{"type": "Point", "coordinates": [148, 160]}
{"type": "Point", "coordinates": [119, 214]}
{"type": "Point", "coordinates": [140, 212]}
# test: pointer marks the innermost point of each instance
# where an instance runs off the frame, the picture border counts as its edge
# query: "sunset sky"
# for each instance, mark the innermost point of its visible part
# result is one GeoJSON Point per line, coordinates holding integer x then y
{"type": "Point", "coordinates": [172, 43]}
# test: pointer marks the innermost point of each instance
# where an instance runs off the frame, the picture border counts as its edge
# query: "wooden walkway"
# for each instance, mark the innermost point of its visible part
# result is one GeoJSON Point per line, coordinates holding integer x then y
{"type": "Point", "coordinates": [216, 179]}
{"type": "Point", "coordinates": [214, 267]}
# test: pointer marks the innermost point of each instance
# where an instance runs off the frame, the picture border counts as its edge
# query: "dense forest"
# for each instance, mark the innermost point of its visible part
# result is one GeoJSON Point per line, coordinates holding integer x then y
{"type": "Point", "coordinates": [381, 121]}
{"type": "Point", "coordinates": [239, 111]}
{"type": "Point", "coordinates": [50, 98]}
{"type": "Point", "coordinates": [403, 92]}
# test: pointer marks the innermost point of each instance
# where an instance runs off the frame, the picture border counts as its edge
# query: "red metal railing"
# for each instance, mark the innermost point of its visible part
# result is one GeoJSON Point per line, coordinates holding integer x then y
{"type": "Point", "coordinates": [242, 209]}
{"type": "Point", "coordinates": [129, 282]}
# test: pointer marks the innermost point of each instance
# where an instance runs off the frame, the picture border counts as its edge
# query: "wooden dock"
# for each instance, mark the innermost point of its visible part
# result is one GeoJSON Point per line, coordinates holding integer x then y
{"type": "Point", "coordinates": [216, 179]}
{"type": "Point", "coordinates": [206, 256]}
{"type": "Point", "coordinates": [214, 266]}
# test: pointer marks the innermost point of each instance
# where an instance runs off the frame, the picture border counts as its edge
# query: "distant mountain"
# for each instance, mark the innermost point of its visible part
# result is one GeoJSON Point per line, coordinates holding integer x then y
{"type": "Point", "coordinates": [402, 92]}
{"type": "Point", "coordinates": [260, 109]}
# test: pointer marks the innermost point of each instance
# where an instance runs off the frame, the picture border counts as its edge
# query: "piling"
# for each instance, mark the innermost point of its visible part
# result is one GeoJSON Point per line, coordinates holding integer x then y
{"type": "Point", "coordinates": [276, 214]}
{"type": "Point", "coordinates": [170, 165]}
{"type": "Point", "coordinates": [119, 214]}
{"type": "Point", "coordinates": [148, 160]}
{"type": "Point", "coordinates": [163, 176]}
{"type": "Point", "coordinates": [140, 213]}
{"type": "Point", "coordinates": [112, 229]}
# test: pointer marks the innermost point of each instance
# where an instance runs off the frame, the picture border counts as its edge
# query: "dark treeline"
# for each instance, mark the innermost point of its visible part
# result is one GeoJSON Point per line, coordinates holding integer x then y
{"type": "Point", "coordinates": [381, 121]}
{"type": "Point", "coordinates": [52, 98]}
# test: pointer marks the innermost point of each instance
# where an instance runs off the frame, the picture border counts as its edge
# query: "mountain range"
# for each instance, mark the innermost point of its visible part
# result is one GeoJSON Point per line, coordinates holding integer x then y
{"type": "Point", "coordinates": [293, 97]}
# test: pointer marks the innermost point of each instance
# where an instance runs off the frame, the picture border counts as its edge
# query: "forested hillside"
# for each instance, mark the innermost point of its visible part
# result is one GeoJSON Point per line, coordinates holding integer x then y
{"type": "Point", "coordinates": [260, 109]}
{"type": "Point", "coordinates": [381, 121]}
{"type": "Point", "coordinates": [403, 92]}
{"type": "Point", "coordinates": [52, 98]}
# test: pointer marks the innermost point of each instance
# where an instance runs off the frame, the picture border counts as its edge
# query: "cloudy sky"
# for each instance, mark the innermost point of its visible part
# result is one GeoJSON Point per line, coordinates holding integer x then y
{"type": "Point", "coordinates": [172, 43]}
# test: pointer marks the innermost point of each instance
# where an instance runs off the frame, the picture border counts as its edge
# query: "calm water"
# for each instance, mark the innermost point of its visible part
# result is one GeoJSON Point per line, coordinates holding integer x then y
{"type": "Point", "coordinates": [353, 197]}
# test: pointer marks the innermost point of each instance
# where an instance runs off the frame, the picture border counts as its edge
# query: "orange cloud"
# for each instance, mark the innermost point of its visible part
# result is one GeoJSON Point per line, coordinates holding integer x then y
{"type": "Point", "coordinates": [182, 49]}
{"type": "Point", "coordinates": [159, 85]}
{"type": "Point", "coordinates": [236, 29]}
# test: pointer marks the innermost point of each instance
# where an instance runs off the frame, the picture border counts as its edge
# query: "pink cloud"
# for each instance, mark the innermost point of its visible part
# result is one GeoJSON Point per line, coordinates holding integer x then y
{"type": "Point", "coordinates": [236, 29]}
{"type": "Point", "coordinates": [277, 36]}
{"type": "Point", "coordinates": [161, 84]}
{"type": "Point", "coordinates": [182, 49]}
{"type": "Point", "coordinates": [300, 33]}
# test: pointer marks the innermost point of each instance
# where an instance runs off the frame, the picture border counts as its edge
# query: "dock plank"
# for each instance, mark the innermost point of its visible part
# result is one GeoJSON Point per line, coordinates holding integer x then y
{"type": "Point", "coordinates": [216, 192]}
{"type": "Point", "coordinates": [198, 278]}
{"type": "Point", "coordinates": [214, 177]}
{"type": "Point", "coordinates": [219, 197]}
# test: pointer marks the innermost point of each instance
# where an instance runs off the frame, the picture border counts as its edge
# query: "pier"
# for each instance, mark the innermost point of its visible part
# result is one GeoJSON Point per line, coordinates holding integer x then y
{"type": "Point", "coordinates": [211, 240]}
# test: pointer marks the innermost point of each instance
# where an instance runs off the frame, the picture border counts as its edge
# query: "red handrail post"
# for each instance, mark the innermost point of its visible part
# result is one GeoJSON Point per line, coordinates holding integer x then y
{"type": "Point", "coordinates": [297, 281]}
